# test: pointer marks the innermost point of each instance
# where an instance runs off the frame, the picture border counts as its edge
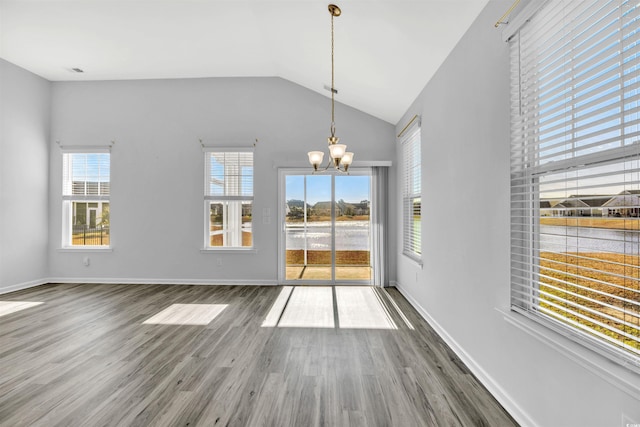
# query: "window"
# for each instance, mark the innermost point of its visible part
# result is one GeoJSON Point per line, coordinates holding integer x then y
{"type": "Point", "coordinates": [575, 173]}
{"type": "Point", "coordinates": [228, 199]}
{"type": "Point", "coordinates": [411, 193]}
{"type": "Point", "coordinates": [85, 199]}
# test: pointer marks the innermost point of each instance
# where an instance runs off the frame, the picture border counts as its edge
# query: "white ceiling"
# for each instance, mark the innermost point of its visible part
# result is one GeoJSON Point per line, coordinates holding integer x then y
{"type": "Point", "coordinates": [385, 50]}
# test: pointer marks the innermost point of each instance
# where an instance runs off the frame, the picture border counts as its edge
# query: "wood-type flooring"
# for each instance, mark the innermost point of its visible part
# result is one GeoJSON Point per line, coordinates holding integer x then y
{"type": "Point", "coordinates": [167, 355]}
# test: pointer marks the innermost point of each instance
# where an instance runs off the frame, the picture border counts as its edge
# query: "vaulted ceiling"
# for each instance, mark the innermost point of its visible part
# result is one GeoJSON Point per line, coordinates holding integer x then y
{"type": "Point", "coordinates": [385, 50]}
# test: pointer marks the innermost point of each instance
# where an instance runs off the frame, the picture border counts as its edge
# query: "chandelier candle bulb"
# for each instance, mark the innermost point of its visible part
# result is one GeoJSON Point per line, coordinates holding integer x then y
{"type": "Point", "coordinates": [315, 158]}
{"type": "Point", "coordinates": [337, 150]}
{"type": "Point", "coordinates": [347, 158]}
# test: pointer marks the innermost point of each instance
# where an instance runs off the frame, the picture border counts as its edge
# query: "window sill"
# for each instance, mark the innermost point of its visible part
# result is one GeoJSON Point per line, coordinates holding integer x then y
{"type": "Point", "coordinates": [229, 251]}
{"type": "Point", "coordinates": [624, 377]}
{"type": "Point", "coordinates": [85, 249]}
{"type": "Point", "coordinates": [413, 259]}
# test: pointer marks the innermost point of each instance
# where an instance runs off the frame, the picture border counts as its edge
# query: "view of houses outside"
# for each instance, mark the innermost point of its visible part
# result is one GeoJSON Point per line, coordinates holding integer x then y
{"type": "Point", "coordinates": [90, 223]}
{"type": "Point", "coordinates": [623, 205]}
{"type": "Point", "coordinates": [86, 186]}
{"type": "Point", "coordinates": [589, 268]}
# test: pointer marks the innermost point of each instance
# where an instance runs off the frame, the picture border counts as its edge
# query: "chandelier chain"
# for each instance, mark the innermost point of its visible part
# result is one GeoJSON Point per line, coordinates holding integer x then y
{"type": "Point", "coordinates": [341, 159]}
{"type": "Point", "coordinates": [333, 90]}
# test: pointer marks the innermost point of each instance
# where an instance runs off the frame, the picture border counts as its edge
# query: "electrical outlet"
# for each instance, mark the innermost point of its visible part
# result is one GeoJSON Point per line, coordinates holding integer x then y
{"type": "Point", "coordinates": [86, 261]}
{"type": "Point", "coordinates": [219, 262]}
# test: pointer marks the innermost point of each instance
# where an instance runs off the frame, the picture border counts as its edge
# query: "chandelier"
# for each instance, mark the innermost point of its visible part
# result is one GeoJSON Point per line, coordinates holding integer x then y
{"type": "Point", "coordinates": [340, 157]}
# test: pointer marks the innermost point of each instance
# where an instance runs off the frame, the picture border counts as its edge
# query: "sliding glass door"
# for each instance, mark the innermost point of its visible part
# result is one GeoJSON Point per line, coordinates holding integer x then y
{"type": "Point", "coordinates": [326, 228]}
{"type": "Point", "coordinates": [308, 227]}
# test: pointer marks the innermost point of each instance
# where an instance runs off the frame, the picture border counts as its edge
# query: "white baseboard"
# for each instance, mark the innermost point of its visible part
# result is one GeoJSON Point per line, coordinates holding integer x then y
{"type": "Point", "coordinates": [23, 285]}
{"type": "Point", "coordinates": [138, 281]}
{"type": "Point", "coordinates": [494, 388]}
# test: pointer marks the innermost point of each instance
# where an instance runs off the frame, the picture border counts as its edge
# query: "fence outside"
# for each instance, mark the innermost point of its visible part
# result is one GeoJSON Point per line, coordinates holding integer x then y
{"type": "Point", "coordinates": [83, 235]}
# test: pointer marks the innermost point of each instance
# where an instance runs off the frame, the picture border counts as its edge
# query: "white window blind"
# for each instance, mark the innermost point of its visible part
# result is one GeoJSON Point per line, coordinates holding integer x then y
{"type": "Point", "coordinates": [86, 174]}
{"type": "Point", "coordinates": [86, 188]}
{"type": "Point", "coordinates": [575, 173]}
{"type": "Point", "coordinates": [411, 192]}
{"type": "Point", "coordinates": [229, 198]}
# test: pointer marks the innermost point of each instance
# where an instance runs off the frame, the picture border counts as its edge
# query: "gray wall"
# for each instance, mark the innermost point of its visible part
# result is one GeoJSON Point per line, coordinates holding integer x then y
{"type": "Point", "coordinates": [24, 168]}
{"type": "Point", "coordinates": [465, 246]}
{"type": "Point", "coordinates": [157, 168]}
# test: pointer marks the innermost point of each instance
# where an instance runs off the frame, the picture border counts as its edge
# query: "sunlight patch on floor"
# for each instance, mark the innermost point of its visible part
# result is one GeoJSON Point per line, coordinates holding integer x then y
{"type": "Point", "coordinates": [8, 307]}
{"type": "Point", "coordinates": [400, 312]}
{"type": "Point", "coordinates": [186, 314]}
{"type": "Point", "coordinates": [280, 303]}
{"type": "Point", "coordinates": [309, 307]}
{"type": "Point", "coordinates": [360, 308]}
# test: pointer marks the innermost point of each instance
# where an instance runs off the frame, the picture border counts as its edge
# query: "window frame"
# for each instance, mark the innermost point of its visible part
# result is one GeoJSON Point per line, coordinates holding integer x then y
{"type": "Point", "coordinates": [227, 201]}
{"type": "Point", "coordinates": [411, 146]}
{"type": "Point", "coordinates": [68, 199]}
{"type": "Point", "coordinates": [534, 163]}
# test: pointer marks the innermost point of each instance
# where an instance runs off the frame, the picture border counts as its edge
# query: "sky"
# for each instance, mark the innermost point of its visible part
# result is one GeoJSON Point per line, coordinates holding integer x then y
{"type": "Point", "coordinates": [91, 167]}
{"type": "Point", "coordinates": [350, 188]}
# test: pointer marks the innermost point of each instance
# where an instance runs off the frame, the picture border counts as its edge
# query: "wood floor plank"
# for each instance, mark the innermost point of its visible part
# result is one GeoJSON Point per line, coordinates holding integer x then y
{"type": "Point", "coordinates": [84, 356]}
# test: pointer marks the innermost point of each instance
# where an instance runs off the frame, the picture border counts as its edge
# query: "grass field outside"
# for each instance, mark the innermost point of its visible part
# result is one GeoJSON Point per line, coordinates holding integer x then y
{"type": "Point", "coordinates": [247, 240]}
{"type": "Point", "coordinates": [319, 218]}
{"type": "Point", "coordinates": [607, 286]}
{"type": "Point", "coordinates": [343, 258]}
{"type": "Point", "coordinates": [597, 290]}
